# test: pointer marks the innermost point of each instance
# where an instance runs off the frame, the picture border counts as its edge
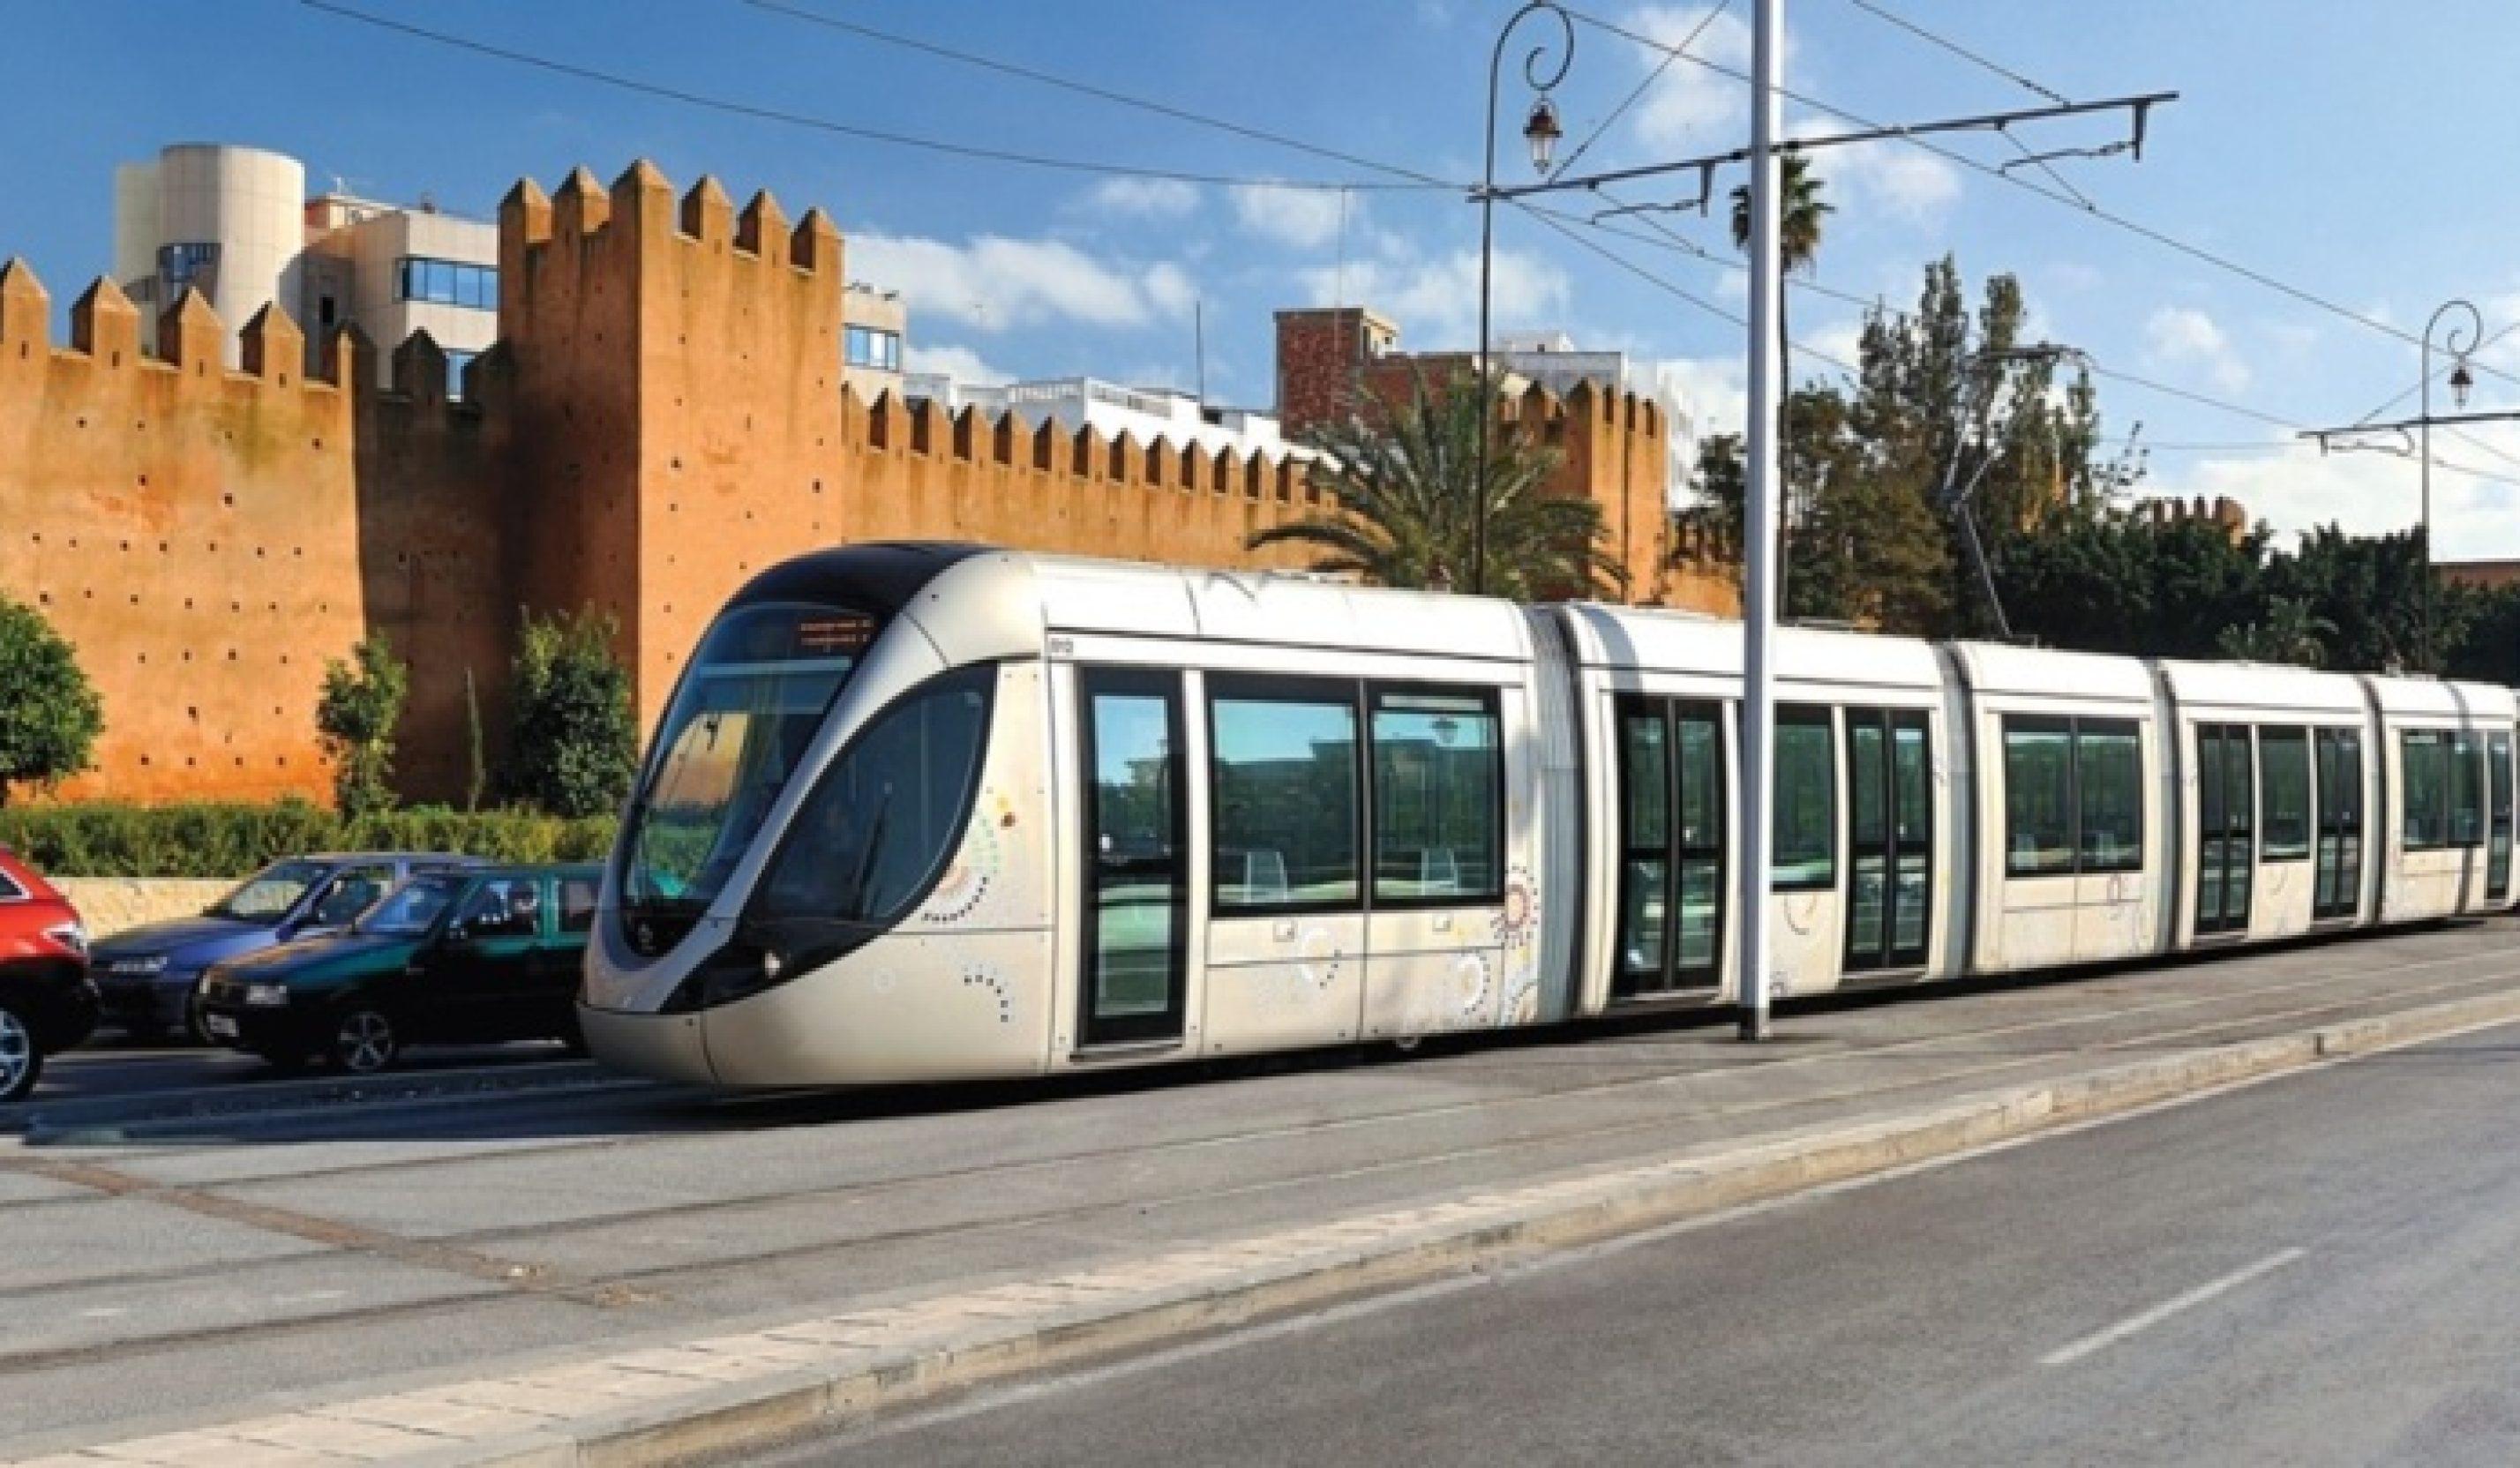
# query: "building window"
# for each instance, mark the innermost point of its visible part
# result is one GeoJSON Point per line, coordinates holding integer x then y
{"type": "Point", "coordinates": [459, 374]}
{"type": "Point", "coordinates": [447, 283]}
{"type": "Point", "coordinates": [872, 348]}
{"type": "Point", "coordinates": [1439, 798]}
{"type": "Point", "coordinates": [178, 265]}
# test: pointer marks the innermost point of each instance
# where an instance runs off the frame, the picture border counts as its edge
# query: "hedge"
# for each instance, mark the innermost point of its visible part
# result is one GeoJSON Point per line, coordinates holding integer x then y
{"type": "Point", "coordinates": [208, 840]}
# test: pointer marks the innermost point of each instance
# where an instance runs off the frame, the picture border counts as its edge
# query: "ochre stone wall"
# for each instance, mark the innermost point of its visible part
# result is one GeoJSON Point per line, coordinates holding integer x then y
{"type": "Point", "coordinates": [663, 416]}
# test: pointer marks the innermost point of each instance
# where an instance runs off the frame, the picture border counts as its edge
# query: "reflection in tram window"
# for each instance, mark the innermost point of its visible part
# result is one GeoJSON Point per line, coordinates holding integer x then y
{"type": "Point", "coordinates": [2466, 790]}
{"type": "Point", "coordinates": [2108, 776]}
{"type": "Point", "coordinates": [884, 818]}
{"type": "Point", "coordinates": [1285, 803]}
{"type": "Point", "coordinates": [2284, 775]}
{"type": "Point", "coordinates": [2423, 754]}
{"type": "Point", "coordinates": [1806, 823]}
{"type": "Point", "coordinates": [2038, 796]}
{"type": "Point", "coordinates": [754, 697]}
{"type": "Point", "coordinates": [1438, 794]}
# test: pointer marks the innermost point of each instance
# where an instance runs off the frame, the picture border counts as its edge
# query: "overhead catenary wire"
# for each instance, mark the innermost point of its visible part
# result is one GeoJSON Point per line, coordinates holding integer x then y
{"type": "Point", "coordinates": [1713, 13]}
{"type": "Point", "coordinates": [2161, 237]}
{"type": "Point", "coordinates": [1936, 38]}
{"type": "Point", "coordinates": [1036, 76]}
{"type": "Point", "coordinates": [977, 153]}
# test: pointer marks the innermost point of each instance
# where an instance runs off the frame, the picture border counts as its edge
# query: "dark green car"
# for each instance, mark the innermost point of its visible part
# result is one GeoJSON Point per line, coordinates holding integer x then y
{"type": "Point", "coordinates": [461, 957]}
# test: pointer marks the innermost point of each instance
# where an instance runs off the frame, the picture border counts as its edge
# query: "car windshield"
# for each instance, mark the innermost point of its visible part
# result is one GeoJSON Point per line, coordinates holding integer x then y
{"type": "Point", "coordinates": [267, 896]}
{"type": "Point", "coordinates": [411, 909]}
{"type": "Point", "coordinates": [757, 690]}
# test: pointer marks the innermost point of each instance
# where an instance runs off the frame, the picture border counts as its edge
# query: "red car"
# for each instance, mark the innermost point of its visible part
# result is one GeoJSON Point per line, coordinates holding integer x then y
{"type": "Point", "coordinates": [46, 1003]}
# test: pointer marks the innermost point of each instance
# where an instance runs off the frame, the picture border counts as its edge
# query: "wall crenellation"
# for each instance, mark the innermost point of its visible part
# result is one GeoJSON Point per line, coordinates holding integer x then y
{"type": "Point", "coordinates": [662, 415]}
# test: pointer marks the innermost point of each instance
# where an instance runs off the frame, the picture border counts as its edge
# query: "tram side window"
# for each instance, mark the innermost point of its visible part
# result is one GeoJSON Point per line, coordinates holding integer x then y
{"type": "Point", "coordinates": [2108, 774]}
{"type": "Point", "coordinates": [2038, 796]}
{"type": "Point", "coordinates": [2466, 790]}
{"type": "Point", "coordinates": [2283, 790]}
{"type": "Point", "coordinates": [1286, 797]}
{"type": "Point", "coordinates": [884, 818]}
{"type": "Point", "coordinates": [2424, 757]}
{"type": "Point", "coordinates": [1438, 797]}
{"type": "Point", "coordinates": [1806, 819]}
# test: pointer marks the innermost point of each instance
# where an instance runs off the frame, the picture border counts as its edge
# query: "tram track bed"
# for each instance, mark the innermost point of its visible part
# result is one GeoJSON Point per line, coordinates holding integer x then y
{"type": "Point", "coordinates": [263, 1264]}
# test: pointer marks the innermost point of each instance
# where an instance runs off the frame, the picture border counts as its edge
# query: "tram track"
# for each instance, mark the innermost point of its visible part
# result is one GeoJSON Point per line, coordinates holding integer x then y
{"type": "Point", "coordinates": [612, 1289]}
{"type": "Point", "coordinates": [1833, 1053]}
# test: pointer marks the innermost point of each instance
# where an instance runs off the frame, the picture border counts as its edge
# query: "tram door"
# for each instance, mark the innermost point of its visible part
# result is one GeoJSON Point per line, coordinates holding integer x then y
{"type": "Point", "coordinates": [1671, 845]}
{"type": "Point", "coordinates": [1137, 853]}
{"type": "Point", "coordinates": [2226, 843]}
{"type": "Point", "coordinates": [1890, 857]}
{"type": "Point", "coordinates": [2337, 883]}
{"type": "Point", "coordinates": [2497, 850]}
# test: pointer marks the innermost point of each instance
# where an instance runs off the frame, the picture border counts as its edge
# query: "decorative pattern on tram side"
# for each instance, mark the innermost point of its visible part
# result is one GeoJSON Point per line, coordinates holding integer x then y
{"type": "Point", "coordinates": [1518, 931]}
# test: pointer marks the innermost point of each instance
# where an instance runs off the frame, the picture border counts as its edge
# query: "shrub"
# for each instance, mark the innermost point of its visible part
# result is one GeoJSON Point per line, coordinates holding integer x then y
{"type": "Point", "coordinates": [211, 840]}
{"type": "Point", "coordinates": [361, 706]}
{"type": "Point", "coordinates": [50, 715]}
{"type": "Point", "coordinates": [573, 747]}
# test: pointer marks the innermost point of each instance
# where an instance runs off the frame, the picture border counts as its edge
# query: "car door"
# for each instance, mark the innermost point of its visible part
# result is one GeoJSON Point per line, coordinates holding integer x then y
{"type": "Point", "coordinates": [480, 972]}
{"type": "Point", "coordinates": [568, 906]}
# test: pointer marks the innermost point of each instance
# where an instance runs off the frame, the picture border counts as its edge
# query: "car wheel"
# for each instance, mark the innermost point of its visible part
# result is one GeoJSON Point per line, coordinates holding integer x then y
{"type": "Point", "coordinates": [22, 1064]}
{"type": "Point", "coordinates": [364, 1043]}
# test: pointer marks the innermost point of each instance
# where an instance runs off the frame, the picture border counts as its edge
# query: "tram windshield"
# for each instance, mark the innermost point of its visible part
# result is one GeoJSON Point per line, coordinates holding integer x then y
{"type": "Point", "coordinates": [747, 711]}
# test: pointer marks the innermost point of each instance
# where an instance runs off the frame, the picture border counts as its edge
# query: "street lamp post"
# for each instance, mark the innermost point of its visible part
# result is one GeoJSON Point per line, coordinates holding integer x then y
{"type": "Point", "coordinates": [1541, 131]}
{"type": "Point", "coordinates": [2459, 383]}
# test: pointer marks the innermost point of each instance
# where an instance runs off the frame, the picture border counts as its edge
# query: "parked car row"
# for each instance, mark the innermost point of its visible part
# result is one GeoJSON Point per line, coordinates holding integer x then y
{"type": "Point", "coordinates": [338, 958]}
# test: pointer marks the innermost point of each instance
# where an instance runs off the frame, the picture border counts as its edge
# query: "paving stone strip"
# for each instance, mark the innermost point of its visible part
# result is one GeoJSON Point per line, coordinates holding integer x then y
{"type": "Point", "coordinates": [664, 1403]}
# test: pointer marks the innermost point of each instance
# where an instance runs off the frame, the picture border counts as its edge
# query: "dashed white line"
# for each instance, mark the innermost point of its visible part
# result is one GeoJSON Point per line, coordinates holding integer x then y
{"type": "Point", "coordinates": [2068, 1354]}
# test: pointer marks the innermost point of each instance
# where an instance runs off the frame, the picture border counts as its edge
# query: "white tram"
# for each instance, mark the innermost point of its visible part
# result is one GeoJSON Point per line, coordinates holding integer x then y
{"type": "Point", "coordinates": [929, 812]}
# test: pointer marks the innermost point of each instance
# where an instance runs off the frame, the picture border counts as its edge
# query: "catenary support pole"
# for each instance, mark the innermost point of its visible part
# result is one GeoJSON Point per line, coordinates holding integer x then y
{"type": "Point", "coordinates": [1759, 528]}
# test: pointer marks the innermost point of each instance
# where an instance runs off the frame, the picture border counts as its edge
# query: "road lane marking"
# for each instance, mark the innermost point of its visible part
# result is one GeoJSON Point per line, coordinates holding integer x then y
{"type": "Point", "coordinates": [2068, 1354]}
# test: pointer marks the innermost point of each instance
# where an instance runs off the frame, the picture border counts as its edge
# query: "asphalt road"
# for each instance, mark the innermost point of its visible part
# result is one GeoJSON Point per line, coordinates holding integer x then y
{"type": "Point", "coordinates": [2312, 1270]}
{"type": "Point", "coordinates": [245, 1256]}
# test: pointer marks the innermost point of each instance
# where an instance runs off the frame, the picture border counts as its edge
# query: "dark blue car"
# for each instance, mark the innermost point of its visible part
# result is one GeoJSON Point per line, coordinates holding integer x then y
{"type": "Point", "coordinates": [146, 976]}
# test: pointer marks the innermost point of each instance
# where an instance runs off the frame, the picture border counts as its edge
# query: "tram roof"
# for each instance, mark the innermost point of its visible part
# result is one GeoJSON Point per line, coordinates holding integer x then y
{"type": "Point", "coordinates": [2000, 668]}
{"type": "Point", "coordinates": [2419, 698]}
{"type": "Point", "coordinates": [1659, 640]}
{"type": "Point", "coordinates": [1079, 595]}
{"type": "Point", "coordinates": [2271, 688]}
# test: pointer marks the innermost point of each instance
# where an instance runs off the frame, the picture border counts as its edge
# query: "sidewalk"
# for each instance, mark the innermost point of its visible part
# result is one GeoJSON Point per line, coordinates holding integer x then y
{"type": "Point", "coordinates": [907, 1249]}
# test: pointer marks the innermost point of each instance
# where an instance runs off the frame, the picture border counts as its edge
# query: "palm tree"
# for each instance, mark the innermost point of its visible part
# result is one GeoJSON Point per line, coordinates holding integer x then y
{"type": "Point", "coordinates": [1799, 227]}
{"type": "Point", "coordinates": [1406, 476]}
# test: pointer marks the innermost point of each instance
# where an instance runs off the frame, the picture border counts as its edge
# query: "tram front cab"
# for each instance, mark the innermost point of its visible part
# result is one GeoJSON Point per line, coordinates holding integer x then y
{"type": "Point", "coordinates": [771, 912]}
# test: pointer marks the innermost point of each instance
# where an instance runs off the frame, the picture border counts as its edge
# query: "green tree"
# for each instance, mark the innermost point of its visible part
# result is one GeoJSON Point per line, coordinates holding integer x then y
{"type": "Point", "coordinates": [2114, 582]}
{"type": "Point", "coordinates": [2370, 590]}
{"type": "Point", "coordinates": [50, 715]}
{"type": "Point", "coordinates": [2289, 633]}
{"type": "Point", "coordinates": [573, 747]}
{"type": "Point", "coordinates": [1407, 481]}
{"type": "Point", "coordinates": [1802, 219]}
{"type": "Point", "coordinates": [356, 717]}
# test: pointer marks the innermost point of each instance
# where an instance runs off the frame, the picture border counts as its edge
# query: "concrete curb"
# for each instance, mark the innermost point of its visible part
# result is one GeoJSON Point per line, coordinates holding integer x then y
{"type": "Point", "coordinates": [663, 1405]}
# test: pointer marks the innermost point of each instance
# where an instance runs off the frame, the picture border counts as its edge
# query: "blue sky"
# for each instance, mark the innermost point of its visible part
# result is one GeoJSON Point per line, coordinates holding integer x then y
{"type": "Point", "coordinates": [2359, 155]}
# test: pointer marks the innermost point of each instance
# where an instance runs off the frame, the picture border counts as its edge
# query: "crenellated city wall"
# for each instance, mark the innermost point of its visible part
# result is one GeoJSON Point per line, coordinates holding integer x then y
{"type": "Point", "coordinates": [662, 417]}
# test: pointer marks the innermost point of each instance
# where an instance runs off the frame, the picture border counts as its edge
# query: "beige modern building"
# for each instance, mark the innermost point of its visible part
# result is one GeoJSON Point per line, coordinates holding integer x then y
{"type": "Point", "coordinates": [876, 327]}
{"type": "Point", "coordinates": [236, 224]}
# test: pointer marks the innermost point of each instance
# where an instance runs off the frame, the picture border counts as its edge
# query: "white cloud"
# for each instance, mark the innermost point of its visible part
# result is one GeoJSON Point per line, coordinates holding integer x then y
{"type": "Point", "coordinates": [1436, 300]}
{"type": "Point", "coordinates": [1301, 218]}
{"type": "Point", "coordinates": [1894, 179]}
{"type": "Point", "coordinates": [1144, 198]}
{"type": "Point", "coordinates": [2182, 336]}
{"type": "Point", "coordinates": [2297, 488]}
{"type": "Point", "coordinates": [960, 363]}
{"type": "Point", "coordinates": [1687, 102]}
{"type": "Point", "coordinates": [994, 283]}
{"type": "Point", "coordinates": [1837, 341]}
